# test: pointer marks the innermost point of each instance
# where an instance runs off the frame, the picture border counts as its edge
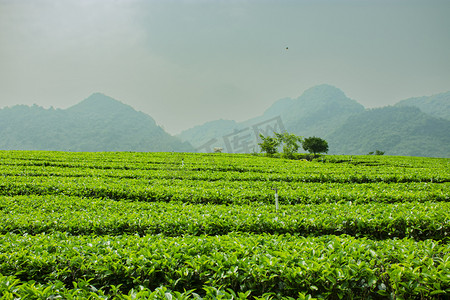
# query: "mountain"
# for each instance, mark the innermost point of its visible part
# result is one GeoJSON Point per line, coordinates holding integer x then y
{"type": "Point", "coordinates": [98, 123]}
{"type": "Point", "coordinates": [349, 128]}
{"type": "Point", "coordinates": [416, 126]}
{"type": "Point", "coordinates": [394, 130]}
{"type": "Point", "coordinates": [202, 134]}
{"type": "Point", "coordinates": [278, 107]}
{"type": "Point", "coordinates": [214, 133]}
{"type": "Point", "coordinates": [318, 111]}
{"type": "Point", "coordinates": [436, 105]}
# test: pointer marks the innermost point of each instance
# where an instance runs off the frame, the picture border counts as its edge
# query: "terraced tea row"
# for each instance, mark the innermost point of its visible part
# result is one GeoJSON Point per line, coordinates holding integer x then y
{"type": "Point", "coordinates": [82, 216]}
{"type": "Point", "coordinates": [222, 192]}
{"type": "Point", "coordinates": [224, 167]}
{"type": "Point", "coordinates": [282, 264]}
{"type": "Point", "coordinates": [193, 226]}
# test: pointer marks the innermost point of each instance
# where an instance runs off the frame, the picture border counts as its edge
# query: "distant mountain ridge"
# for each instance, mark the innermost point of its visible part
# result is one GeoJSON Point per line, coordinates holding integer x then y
{"type": "Point", "coordinates": [319, 110]}
{"type": "Point", "coordinates": [98, 123]}
{"type": "Point", "coordinates": [436, 105]}
{"type": "Point", "coordinates": [416, 126]}
{"type": "Point", "coordinates": [349, 128]}
{"type": "Point", "coordinates": [395, 130]}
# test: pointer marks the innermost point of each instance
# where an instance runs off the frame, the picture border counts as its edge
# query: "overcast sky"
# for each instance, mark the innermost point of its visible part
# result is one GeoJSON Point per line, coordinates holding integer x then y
{"type": "Point", "coordinates": [188, 62]}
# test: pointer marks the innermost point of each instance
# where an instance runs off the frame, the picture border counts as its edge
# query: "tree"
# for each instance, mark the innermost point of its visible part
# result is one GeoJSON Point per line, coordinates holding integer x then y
{"type": "Point", "coordinates": [290, 143]}
{"type": "Point", "coordinates": [269, 144]}
{"type": "Point", "coordinates": [315, 145]}
{"type": "Point", "coordinates": [378, 152]}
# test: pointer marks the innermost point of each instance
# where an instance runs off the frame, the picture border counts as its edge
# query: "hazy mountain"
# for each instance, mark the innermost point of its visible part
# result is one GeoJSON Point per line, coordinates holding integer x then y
{"type": "Point", "coordinates": [395, 130]}
{"type": "Point", "coordinates": [211, 134]}
{"type": "Point", "coordinates": [201, 134]}
{"type": "Point", "coordinates": [279, 107]}
{"type": "Point", "coordinates": [318, 111]}
{"type": "Point", "coordinates": [436, 105]}
{"type": "Point", "coordinates": [98, 123]}
{"type": "Point", "coordinates": [275, 110]}
{"type": "Point", "coordinates": [416, 126]}
{"type": "Point", "coordinates": [349, 128]}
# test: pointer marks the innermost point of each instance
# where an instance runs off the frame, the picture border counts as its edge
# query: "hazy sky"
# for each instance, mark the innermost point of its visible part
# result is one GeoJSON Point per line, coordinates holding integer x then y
{"type": "Point", "coordinates": [188, 62]}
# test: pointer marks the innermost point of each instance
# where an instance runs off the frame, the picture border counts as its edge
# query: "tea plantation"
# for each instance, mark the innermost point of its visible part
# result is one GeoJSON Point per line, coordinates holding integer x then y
{"type": "Point", "coordinates": [126, 225]}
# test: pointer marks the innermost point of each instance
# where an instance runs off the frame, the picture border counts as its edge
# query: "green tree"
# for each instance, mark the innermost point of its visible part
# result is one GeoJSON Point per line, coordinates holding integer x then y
{"type": "Point", "coordinates": [315, 145]}
{"type": "Point", "coordinates": [290, 143]}
{"type": "Point", "coordinates": [269, 144]}
{"type": "Point", "coordinates": [379, 152]}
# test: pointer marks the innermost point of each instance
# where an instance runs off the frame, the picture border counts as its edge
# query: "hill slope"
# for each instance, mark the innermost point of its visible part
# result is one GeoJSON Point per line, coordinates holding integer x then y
{"type": "Point", "coordinates": [325, 111]}
{"type": "Point", "coordinates": [318, 111]}
{"type": "Point", "coordinates": [209, 132]}
{"type": "Point", "coordinates": [436, 105]}
{"type": "Point", "coordinates": [395, 130]}
{"type": "Point", "coordinates": [98, 123]}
